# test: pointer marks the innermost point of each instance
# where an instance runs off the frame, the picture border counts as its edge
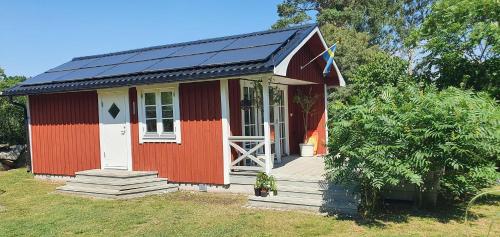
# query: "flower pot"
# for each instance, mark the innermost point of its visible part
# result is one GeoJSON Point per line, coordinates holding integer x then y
{"type": "Point", "coordinates": [275, 192]}
{"type": "Point", "coordinates": [306, 150]}
{"type": "Point", "coordinates": [257, 191]}
{"type": "Point", "coordinates": [264, 192]}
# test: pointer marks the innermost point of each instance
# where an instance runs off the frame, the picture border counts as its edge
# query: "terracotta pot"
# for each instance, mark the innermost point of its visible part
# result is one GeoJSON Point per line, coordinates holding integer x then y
{"type": "Point", "coordinates": [264, 192]}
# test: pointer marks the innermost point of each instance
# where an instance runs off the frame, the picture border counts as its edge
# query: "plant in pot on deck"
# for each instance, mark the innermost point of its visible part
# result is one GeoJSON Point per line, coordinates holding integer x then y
{"type": "Point", "coordinates": [265, 183]}
{"type": "Point", "coordinates": [306, 103]}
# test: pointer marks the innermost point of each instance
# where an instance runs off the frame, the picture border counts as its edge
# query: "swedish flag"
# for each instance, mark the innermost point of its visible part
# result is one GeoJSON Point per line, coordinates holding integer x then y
{"type": "Point", "coordinates": [328, 56]}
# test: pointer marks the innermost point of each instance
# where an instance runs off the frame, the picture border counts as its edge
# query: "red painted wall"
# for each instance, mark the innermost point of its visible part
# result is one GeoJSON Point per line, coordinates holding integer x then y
{"type": "Point", "coordinates": [65, 133]}
{"type": "Point", "coordinates": [198, 159]}
{"type": "Point", "coordinates": [311, 73]}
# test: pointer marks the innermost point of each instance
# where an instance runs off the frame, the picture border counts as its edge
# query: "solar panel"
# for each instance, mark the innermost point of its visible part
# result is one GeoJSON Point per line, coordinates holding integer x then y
{"type": "Point", "coordinates": [242, 55]}
{"type": "Point", "coordinates": [84, 73]}
{"type": "Point", "coordinates": [203, 47]}
{"type": "Point", "coordinates": [126, 68]}
{"type": "Point", "coordinates": [181, 62]}
{"type": "Point", "coordinates": [108, 60]}
{"type": "Point", "coordinates": [74, 64]}
{"type": "Point", "coordinates": [265, 39]}
{"type": "Point", "coordinates": [44, 77]}
{"type": "Point", "coordinates": [153, 54]}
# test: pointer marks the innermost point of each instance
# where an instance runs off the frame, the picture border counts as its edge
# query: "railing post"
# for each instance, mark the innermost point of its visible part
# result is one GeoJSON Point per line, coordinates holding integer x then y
{"type": "Point", "coordinates": [267, 128]}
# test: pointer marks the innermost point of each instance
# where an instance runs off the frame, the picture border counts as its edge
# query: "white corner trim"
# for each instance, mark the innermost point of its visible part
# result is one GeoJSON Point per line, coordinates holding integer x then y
{"type": "Point", "coordinates": [282, 67]}
{"type": "Point", "coordinates": [29, 130]}
{"type": "Point", "coordinates": [326, 117]}
{"type": "Point", "coordinates": [226, 150]}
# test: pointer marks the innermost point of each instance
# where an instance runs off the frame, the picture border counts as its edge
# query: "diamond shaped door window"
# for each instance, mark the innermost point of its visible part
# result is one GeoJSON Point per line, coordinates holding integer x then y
{"type": "Point", "coordinates": [114, 110]}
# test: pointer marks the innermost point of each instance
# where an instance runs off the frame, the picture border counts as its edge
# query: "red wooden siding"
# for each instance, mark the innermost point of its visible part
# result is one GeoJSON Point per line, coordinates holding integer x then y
{"type": "Point", "coordinates": [234, 107]}
{"type": "Point", "coordinates": [64, 133]}
{"type": "Point", "coordinates": [198, 159]}
{"type": "Point", "coordinates": [312, 73]}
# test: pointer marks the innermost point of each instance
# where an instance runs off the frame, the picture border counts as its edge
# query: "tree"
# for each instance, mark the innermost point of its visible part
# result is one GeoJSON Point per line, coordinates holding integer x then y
{"type": "Point", "coordinates": [387, 22]}
{"type": "Point", "coordinates": [12, 129]}
{"type": "Point", "coordinates": [353, 49]}
{"type": "Point", "coordinates": [395, 131]}
{"type": "Point", "coordinates": [462, 39]}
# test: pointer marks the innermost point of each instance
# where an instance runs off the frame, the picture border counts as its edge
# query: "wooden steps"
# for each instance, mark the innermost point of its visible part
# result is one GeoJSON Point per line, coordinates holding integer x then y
{"type": "Point", "coordinates": [301, 193]}
{"type": "Point", "coordinates": [117, 184]}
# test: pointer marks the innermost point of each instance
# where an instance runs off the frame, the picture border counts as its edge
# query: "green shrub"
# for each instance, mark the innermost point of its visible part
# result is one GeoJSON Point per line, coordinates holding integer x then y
{"type": "Point", "coordinates": [408, 132]}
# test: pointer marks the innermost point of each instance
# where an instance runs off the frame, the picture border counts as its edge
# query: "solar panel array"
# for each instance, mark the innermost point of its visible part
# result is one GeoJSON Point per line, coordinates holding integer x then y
{"type": "Point", "coordinates": [228, 50]}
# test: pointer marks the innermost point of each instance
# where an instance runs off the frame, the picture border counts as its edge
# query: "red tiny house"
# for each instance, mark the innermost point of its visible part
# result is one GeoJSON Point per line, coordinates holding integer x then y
{"type": "Point", "coordinates": [181, 121]}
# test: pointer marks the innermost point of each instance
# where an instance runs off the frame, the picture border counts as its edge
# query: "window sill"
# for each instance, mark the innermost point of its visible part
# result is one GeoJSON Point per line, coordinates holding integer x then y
{"type": "Point", "coordinates": [169, 139]}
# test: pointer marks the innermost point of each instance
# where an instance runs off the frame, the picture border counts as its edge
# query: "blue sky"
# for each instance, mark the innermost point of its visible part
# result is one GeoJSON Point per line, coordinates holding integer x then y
{"type": "Point", "coordinates": [38, 35]}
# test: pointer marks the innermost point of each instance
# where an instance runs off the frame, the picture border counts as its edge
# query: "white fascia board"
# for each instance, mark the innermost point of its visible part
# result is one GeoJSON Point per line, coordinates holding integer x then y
{"type": "Point", "coordinates": [282, 67]}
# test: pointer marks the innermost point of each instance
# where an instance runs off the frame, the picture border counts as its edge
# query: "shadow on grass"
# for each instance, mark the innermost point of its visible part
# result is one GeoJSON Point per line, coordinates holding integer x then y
{"type": "Point", "coordinates": [401, 212]}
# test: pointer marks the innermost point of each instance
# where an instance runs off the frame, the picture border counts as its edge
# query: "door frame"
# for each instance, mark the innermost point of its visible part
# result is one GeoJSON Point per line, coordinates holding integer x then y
{"type": "Point", "coordinates": [128, 138]}
{"type": "Point", "coordinates": [249, 83]}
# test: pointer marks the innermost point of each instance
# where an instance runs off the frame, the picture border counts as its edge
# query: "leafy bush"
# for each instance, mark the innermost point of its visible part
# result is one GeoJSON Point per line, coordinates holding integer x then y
{"type": "Point", "coordinates": [404, 132]}
{"type": "Point", "coordinates": [11, 117]}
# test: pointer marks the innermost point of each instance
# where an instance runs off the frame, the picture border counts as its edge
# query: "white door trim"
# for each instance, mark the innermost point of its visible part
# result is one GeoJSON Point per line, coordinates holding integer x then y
{"type": "Point", "coordinates": [127, 123]}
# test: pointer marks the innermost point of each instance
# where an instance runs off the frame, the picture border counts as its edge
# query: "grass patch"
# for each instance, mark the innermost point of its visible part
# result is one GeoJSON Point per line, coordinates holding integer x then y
{"type": "Point", "coordinates": [31, 208]}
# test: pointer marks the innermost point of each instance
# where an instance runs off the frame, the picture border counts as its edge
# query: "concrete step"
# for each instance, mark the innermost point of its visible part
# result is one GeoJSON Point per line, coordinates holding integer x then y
{"type": "Point", "coordinates": [115, 182]}
{"type": "Point", "coordinates": [115, 175]}
{"type": "Point", "coordinates": [119, 187]}
{"type": "Point", "coordinates": [109, 193]}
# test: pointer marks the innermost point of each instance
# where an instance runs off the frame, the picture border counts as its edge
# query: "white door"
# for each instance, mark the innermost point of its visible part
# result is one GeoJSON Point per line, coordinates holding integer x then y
{"type": "Point", "coordinates": [114, 129]}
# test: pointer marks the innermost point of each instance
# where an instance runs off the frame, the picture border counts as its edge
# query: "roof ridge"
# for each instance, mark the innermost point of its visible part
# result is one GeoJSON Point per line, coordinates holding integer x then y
{"type": "Point", "coordinates": [194, 42]}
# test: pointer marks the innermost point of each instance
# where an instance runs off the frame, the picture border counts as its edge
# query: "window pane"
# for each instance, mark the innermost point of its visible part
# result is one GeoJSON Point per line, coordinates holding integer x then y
{"type": "Point", "coordinates": [151, 125]}
{"type": "Point", "coordinates": [167, 112]}
{"type": "Point", "coordinates": [168, 125]}
{"type": "Point", "coordinates": [149, 98]}
{"type": "Point", "coordinates": [166, 98]}
{"type": "Point", "coordinates": [150, 112]}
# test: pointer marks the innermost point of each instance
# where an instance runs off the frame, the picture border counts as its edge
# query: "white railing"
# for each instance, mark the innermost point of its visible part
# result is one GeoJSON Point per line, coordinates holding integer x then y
{"type": "Point", "coordinates": [252, 144]}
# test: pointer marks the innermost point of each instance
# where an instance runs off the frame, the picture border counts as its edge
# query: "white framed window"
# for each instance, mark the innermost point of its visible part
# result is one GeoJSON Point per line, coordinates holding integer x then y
{"type": "Point", "coordinates": [159, 119]}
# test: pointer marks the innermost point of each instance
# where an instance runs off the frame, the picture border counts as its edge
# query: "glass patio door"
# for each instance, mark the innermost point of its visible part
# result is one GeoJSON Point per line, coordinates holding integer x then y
{"type": "Point", "coordinates": [252, 117]}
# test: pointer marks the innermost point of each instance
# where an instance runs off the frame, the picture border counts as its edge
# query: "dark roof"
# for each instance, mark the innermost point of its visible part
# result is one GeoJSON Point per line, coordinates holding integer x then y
{"type": "Point", "coordinates": [245, 54]}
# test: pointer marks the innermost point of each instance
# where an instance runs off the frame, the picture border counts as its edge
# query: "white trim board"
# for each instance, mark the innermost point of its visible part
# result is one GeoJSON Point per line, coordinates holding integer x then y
{"type": "Point", "coordinates": [29, 130]}
{"type": "Point", "coordinates": [226, 149]}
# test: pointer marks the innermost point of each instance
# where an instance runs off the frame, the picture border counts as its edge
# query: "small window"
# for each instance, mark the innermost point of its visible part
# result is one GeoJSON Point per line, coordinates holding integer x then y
{"type": "Point", "coordinates": [159, 117]}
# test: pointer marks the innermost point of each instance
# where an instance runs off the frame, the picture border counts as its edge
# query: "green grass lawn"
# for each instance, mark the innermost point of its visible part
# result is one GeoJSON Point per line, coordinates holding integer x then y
{"type": "Point", "coordinates": [31, 208]}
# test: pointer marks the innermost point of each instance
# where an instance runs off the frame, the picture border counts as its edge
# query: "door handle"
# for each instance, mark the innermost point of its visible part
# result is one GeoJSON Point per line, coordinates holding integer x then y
{"type": "Point", "coordinates": [124, 130]}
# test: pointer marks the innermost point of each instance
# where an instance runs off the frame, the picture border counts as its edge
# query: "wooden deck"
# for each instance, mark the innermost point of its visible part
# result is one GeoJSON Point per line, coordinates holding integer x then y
{"type": "Point", "coordinates": [311, 168]}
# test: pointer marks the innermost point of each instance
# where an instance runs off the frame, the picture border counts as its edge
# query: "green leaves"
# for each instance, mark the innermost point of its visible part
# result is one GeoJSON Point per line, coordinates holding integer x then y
{"type": "Point", "coordinates": [11, 117]}
{"type": "Point", "coordinates": [462, 38]}
{"type": "Point", "coordinates": [392, 131]}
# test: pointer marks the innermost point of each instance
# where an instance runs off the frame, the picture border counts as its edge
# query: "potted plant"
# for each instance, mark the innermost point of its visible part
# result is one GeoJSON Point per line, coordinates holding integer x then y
{"type": "Point", "coordinates": [273, 186]}
{"type": "Point", "coordinates": [265, 183]}
{"type": "Point", "coordinates": [306, 103]}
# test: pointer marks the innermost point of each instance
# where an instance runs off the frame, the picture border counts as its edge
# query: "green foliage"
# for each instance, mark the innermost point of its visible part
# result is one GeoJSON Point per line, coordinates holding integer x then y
{"type": "Point", "coordinates": [389, 130]}
{"type": "Point", "coordinates": [462, 39]}
{"type": "Point", "coordinates": [387, 22]}
{"type": "Point", "coordinates": [404, 133]}
{"type": "Point", "coordinates": [353, 48]}
{"type": "Point", "coordinates": [264, 181]}
{"type": "Point", "coordinates": [11, 117]}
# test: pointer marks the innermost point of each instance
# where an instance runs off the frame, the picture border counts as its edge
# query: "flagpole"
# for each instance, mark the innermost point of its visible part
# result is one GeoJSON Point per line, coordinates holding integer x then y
{"type": "Point", "coordinates": [302, 67]}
